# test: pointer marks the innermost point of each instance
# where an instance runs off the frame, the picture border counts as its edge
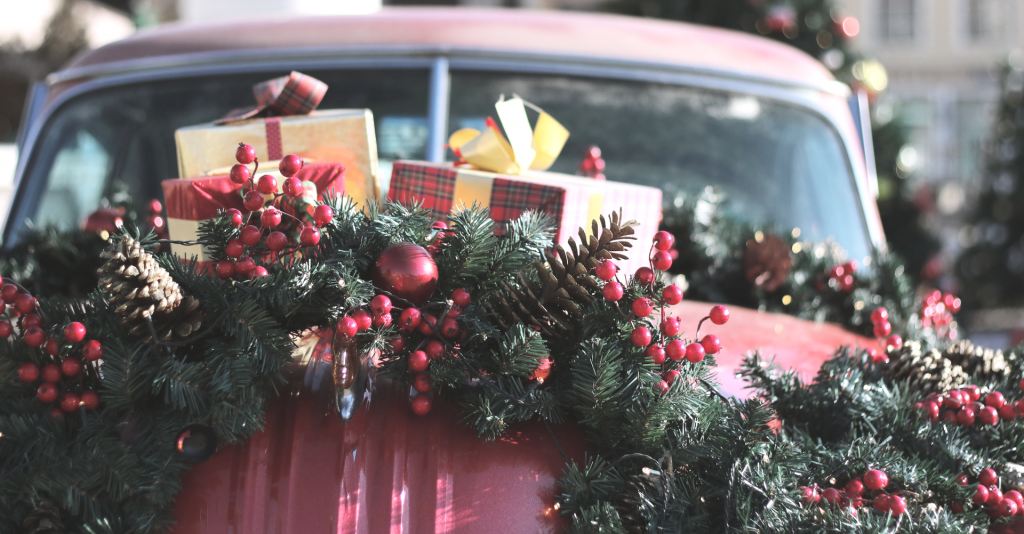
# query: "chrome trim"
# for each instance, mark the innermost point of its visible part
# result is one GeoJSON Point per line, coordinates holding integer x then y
{"type": "Point", "coordinates": [440, 85]}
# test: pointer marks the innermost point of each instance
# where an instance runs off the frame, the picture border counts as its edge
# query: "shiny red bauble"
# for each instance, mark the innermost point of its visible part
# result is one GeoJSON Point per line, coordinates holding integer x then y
{"type": "Point", "coordinates": [427, 325]}
{"type": "Point", "coordinates": [31, 320]}
{"type": "Point", "coordinates": [52, 373]}
{"type": "Point", "coordinates": [70, 402]}
{"type": "Point", "coordinates": [645, 276]}
{"type": "Point", "coordinates": [670, 376]}
{"type": "Point", "coordinates": [234, 249]}
{"type": "Point", "coordinates": [5, 329]}
{"type": "Point", "coordinates": [641, 336]}
{"type": "Point", "coordinates": [606, 270]}
{"type": "Point", "coordinates": [672, 294]}
{"type": "Point", "coordinates": [875, 479]}
{"type": "Point", "coordinates": [672, 326]}
{"type": "Point", "coordinates": [883, 329]}
{"type": "Point", "coordinates": [381, 321]}
{"type": "Point", "coordinates": [988, 477]}
{"type": "Point", "coordinates": [662, 260]}
{"type": "Point", "coordinates": [240, 173]}
{"type": "Point", "coordinates": [676, 349]}
{"type": "Point", "coordinates": [694, 352]}
{"type": "Point", "coordinates": [71, 366]}
{"type": "Point", "coordinates": [276, 241]}
{"type": "Point", "coordinates": [271, 217]}
{"type": "Point", "coordinates": [323, 214]}
{"type": "Point", "coordinates": [656, 353]}
{"type": "Point", "coordinates": [25, 303]}
{"type": "Point", "coordinates": [711, 344]}
{"type": "Point", "coordinates": [418, 361]}
{"type": "Point", "coordinates": [28, 372]}
{"type": "Point", "coordinates": [894, 341]}
{"type": "Point", "coordinates": [235, 217]}
{"type": "Point", "coordinates": [380, 305]}
{"type": "Point", "coordinates": [35, 337]}
{"type": "Point", "coordinates": [250, 235]}
{"type": "Point", "coordinates": [225, 269]}
{"type": "Point", "coordinates": [363, 319]}
{"type": "Point", "coordinates": [663, 240]}
{"type": "Point", "coordinates": [47, 392]}
{"type": "Point", "coordinates": [9, 293]}
{"type": "Point", "coordinates": [642, 307]}
{"type": "Point", "coordinates": [292, 187]}
{"type": "Point", "coordinates": [290, 165]}
{"type": "Point", "coordinates": [612, 291]}
{"type": "Point", "coordinates": [407, 271]}
{"type": "Point", "coordinates": [421, 383]}
{"type": "Point", "coordinates": [988, 416]}
{"type": "Point", "coordinates": [421, 405]}
{"type": "Point", "coordinates": [719, 315]}
{"type": "Point", "coordinates": [253, 200]}
{"type": "Point", "coordinates": [347, 327]}
{"type": "Point", "coordinates": [995, 399]}
{"type": "Point", "coordinates": [245, 154]}
{"type": "Point", "coordinates": [449, 328]}
{"type": "Point", "coordinates": [434, 349]}
{"type": "Point", "coordinates": [879, 315]}
{"type": "Point", "coordinates": [90, 400]}
{"type": "Point", "coordinates": [854, 489]}
{"type": "Point", "coordinates": [92, 351]}
{"type": "Point", "coordinates": [461, 297]}
{"type": "Point", "coordinates": [309, 236]}
{"type": "Point", "coordinates": [409, 319]}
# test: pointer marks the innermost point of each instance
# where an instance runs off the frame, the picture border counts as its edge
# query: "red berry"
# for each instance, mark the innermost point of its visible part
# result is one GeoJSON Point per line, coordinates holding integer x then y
{"type": "Point", "coordinates": [965, 416]}
{"type": "Point", "coordinates": [418, 361]}
{"type": "Point", "coordinates": [612, 291]}
{"type": "Point", "coordinates": [879, 315]}
{"type": "Point", "coordinates": [235, 248]}
{"type": "Point", "coordinates": [449, 328]}
{"type": "Point", "coordinates": [421, 405]}
{"type": "Point", "coordinates": [988, 416]}
{"type": "Point", "coordinates": [894, 342]}
{"type": "Point", "coordinates": [90, 400]}
{"type": "Point", "coordinates": [5, 329]}
{"type": "Point", "coordinates": [948, 416]}
{"type": "Point", "coordinates": [55, 413]}
{"type": "Point", "coordinates": [662, 260]}
{"type": "Point", "coordinates": [225, 269]}
{"type": "Point", "coordinates": [846, 283]}
{"type": "Point", "coordinates": [676, 349]}
{"type": "Point", "coordinates": [656, 353]}
{"type": "Point", "coordinates": [35, 337]}
{"type": "Point", "coordinates": [875, 479]}
{"type": "Point", "coordinates": [954, 399]}
{"type": "Point", "coordinates": [1006, 507]}
{"type": "Point", "coordinates": [71, 366]}
{"type": "Point", "coordinates": [663, 240]}
{"type": "Point", "coordinates": [70, 402]}
{"type": "Point", "coordinates": [323, 214]}
{"type": "Point", "coordinates": [293, 187]}
{"type": "Point", "coordinates": [31, 320]}
{"type": "Point", "coordinates": [382, 321]}
{"type": "Point", "coordinates": [347, 327]}
{"type": "Point", "coordinates": [883, 329]}
{"type": "Point", "coordinates": [25, 303]}
{"type": "Point", "coordinates": [9, 293]}
{"type": "Point", "coordinates": [245, 266]}
{"type": "Point", "coordinates": [854, 489]}
{"type": "Point", "coordinates": [309, 236]}
{"type": "Point", "coordinates": [1016, 497]}
{"type": "Point", "coordinates": [694, 352]}
{"type": "Point", "coordinates": [409, 319]}
{"type": "Point", "coordinates": [461, 297]}
{"type": "Point", "coordinates": [931, 407]}
{"type": "Point", "coordinates": [711, 344]}
{"type": "Point", "coordinates": [276, 241]}
{"type": "Point", "coordinates": [154, 206]}
{"type": "Point", "coordinates": [271, 217]}
{"type": "Point", "coordinates": [240, 173]}
{"type": "Point", "coordinates": [672, 326]}
{"type": "Point", "coordinates": [661, 387]}
{"type": "Point", "coordinates": [245, 154]}
{"type": "Point", "coordinates": [641, 336]}
{"type": "Point", "coordinates": [897, 505]}
{"type": "Point", "coordinates": [421, 383]}
{"type": "Point", "coordinates": [973, 391]}
{"type": "Point", "coordinates": [253, 200]}
{"type": "Point", "coordinates": [92, 350]}
{"type": "Point", "coordinates": [52, 373]}
{"type": "Point", "coordinates": [1008, 411]}
{"type": "Point", "coordinates": [47, 392]}
{"type": "Point", "coordinates": [645, 276]}
{"type": "Point", "coordinates": [606, 269]}
{"type": "Point", "coordinates": [994, 495]}
{"type": "Point", "coordinates": [810, 495]}
{"type": "Point", "coordinates": [642, 307]}
{"type": "Point", "coordinates": [380, 305]}
{"type": "Point", "coordinates": [719, 315]}
{"type": "Point", "coordinates": [290, 165]}
{"type": "Point", "coordinates": [235, 217]}
{"type": "Point", "coordinates": [433, 251]}
{"type": "Point", "coordinates": [878, 358]}
{"type": "Point", "coordinates": [830, 495]}
{"type": "Point", "coordinates": [988, 477]}
{"type": "Point", "coordinates": [434, 349]}
{"type": "Point", "coordinates": [670, 376]}
{"type": "Point", "coordinates": [28, 372]}
{"type": "Point", "coordinates": [672, 294]}
{"type": "Point", "coordinates": [250, 235]}
{"type": "Point", "coordinates": [363, 319]}
{"type": "Point", "coordinates": [427, 325]}
{"type": "Point", "coordinates": [995, 399]}
{"type": "Point", "coordinates": [961, 479]}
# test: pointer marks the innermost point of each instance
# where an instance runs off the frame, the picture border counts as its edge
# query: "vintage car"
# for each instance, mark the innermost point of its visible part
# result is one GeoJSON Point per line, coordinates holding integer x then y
{"type": "Point", "coordinates": [676, 106]}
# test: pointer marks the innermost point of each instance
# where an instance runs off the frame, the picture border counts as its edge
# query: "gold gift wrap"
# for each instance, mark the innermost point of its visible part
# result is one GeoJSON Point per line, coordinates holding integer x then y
{"type": "Point", "coordinates": [524, 149]}
{"type": "Point", "coordinates": [342, 135]}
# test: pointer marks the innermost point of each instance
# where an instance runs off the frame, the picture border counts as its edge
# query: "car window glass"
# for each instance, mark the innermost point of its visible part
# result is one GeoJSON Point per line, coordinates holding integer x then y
{"type": "Point", "coordinates": [76, 180]}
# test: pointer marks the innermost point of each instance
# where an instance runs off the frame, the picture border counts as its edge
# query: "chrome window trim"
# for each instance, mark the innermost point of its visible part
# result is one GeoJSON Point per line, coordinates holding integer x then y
{"type": "Point", "coordinates": [802, 95]}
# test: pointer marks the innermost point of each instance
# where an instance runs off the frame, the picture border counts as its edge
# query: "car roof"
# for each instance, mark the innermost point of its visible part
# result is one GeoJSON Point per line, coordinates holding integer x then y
{"type": "Point", "coordinates": [591, 36]}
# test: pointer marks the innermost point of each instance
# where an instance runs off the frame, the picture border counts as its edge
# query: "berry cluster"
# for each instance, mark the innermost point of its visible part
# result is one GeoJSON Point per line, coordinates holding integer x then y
{"type": "Point", "coordinates": [262, 197]}
{"type": "Point", "coordinates": [988, 495]}
{"type": "Point", "coordinates": [883, 329]}
{"type": "Point", "coordinates": [963, 407]}
{"type": "Point", "coordinates": [867, 489]}
{"type": "Point", "coordinates": [841, 276]}
{"type": "Point", "coordinates": [937, 312]}
{"type": "Point", "coordinates": [438, 228]}
{"type": "Point", "coordinates": [592, 165]}
{"type": "Point", "coordinates": [64, 374]}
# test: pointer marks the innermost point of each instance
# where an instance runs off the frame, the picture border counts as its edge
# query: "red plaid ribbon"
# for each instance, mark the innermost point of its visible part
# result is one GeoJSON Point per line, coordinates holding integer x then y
{"type": "Point", "coordinates": [295, 94]}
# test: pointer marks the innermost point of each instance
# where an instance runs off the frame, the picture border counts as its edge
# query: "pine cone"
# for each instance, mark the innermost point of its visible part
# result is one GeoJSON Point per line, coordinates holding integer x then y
{"type": "Point", "coordinates": [138, 287]}
{"type": "Point", "coordinates": [767, 262]}
{"type": "Point", "coordinates": [551, 302]}
{"type": "Point", "coordinates": [639, 488]}
{"type": "Point", "coordinates": [940, 371]}
{"type": "Point", "coordinates": [45, 519]}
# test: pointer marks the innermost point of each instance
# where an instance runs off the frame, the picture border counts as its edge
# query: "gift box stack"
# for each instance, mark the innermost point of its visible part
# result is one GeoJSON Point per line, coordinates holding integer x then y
{"type": "Point", "coordinates": [507, 176]}
{"type": "Point", "coordinates": [338, 146]}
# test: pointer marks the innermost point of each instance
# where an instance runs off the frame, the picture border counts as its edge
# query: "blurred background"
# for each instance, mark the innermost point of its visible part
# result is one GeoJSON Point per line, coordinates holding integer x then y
{"type": "Point", "coordinates": [945, 79]}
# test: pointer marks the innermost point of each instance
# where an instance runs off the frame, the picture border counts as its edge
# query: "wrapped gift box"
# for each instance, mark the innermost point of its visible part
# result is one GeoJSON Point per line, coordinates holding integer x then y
{"type": "Point", "coordinates": [341, 135]}
{"type": "Point", "coordinates": [190, 201]}
{"type": "Point", "coordinates": [571, 200]}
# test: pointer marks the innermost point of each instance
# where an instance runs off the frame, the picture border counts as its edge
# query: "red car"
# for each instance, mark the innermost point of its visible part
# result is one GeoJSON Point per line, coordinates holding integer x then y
{"type": "Point", "coordinates": [672, 105]}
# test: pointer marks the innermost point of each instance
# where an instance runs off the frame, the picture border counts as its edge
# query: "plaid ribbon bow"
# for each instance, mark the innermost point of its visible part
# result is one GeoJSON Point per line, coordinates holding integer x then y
{"type": "Point", "coordinates": [295, 94]}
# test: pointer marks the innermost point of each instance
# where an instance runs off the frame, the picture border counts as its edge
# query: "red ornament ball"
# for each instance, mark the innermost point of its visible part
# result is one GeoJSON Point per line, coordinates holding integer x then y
{"type": "Point", "coordinates": [245, 154]}
{"type": "Point", "coordinates": [461, 297]}
{"type": "Point", "coordinates": [235, 248]}
{"type": "Point", "coordinates": [35, 337]}
{"type": "Point", "coordinates": [90, 400]}
{"type": "Point", "coordinates": [894, 341]}
{"type": "Point", "coordinates": [71, 366]}
{"type": "Point", "coordinates": [225, 269]}
{"type": "Point", "coordinates": [25, 303]}
{"type": "Point", "coordinates": [290, 165]}
{"type": "Point", "coordinates": [606, 270]}
{"type": "Point", "coordinates": [612, 291]}
{"type": "Point", "coordinates": [672, 294]}
{"type": "Point", "coordinates": [711, 344]}
{"type": "Point", "coordinates": [641, 336]}
{"type": "Point", "coordinates": [382, 321]}
{"type": "Point", "coordinates": [293, 187]}
{"type": "Point", "coordinates": [363, 319]}
{"type": "Point", "coordinates": [70, 402]}
{"type": "Point", "coordinates": [642, 307]}
{"type": "Point", "coordinates": [656, 353]}
{"type": "Point", "coordinates": [31, 320]}
{"type": "Point", "coordinates": [988, 416]}
{"type": "Point", "coordinates": [245, 266]}
{"type": "Point", "coordinates": [52, 373]}
{"type": "Point", "coordinates": [988, 477]}
{"type": "Point", "coordinates": [271, 217]}
{"type": "Point", "coordinates": [309, 236]}
{"type": "Point", "coordinates": [407, 271]}
{"type": "Point", "coordinates": [672, 326]}
{"type": "Point", "coordinates": [663, 240]}
{"type": "Point", "coordinates": [240, 173]}
{"type": "Point", "coordinates": [995, 399]}
{"type": "Point", "coordinates": [5, 329]}
{"type": "Point", "coordinates": [253, 201]}
{"type": "Point", "coordinates": [323, 214]}
{"type": "Point", "coordinates": [47, 392]}
{"type": "Point", "coordinates": [235, 217]}
{"type": "Point", "coordinates": [830, 495]}
{"type": "Point", "coordinates": [409, 319]}
{"type": "Point", "coordinates": [694, 352]}
{"type": "Point", "coordinates": [883, 329]}
{"type": "Point", "coordinates": [719, 315]}
{"type": "Point", "coordinates": [92, 351]}
{"type": "Point", "coordinates": [854, 489]}
{"type": "Point", "coordinates": [421, 405]}
{"type": "Point", "coordinates": [421, 383]}
{"type": "Point", "coordinates": [449, 328]}
{"type": "Point", "coordinates": [879, 315]}
{"type": "Point", "coordinates": [662, 260]}
{"type": "Point", "coordinates": [28, 372]}
{"type": "Point", "coordinates": [875, 479]}
{"type": "Point", "coordinates": [418, 361]}
{"type": "Point", "coordinates": [434, 349]}
{"type": "Point", "coordinates": [347, 327]}
{"type": "Point", "coordinates": [645, 276]}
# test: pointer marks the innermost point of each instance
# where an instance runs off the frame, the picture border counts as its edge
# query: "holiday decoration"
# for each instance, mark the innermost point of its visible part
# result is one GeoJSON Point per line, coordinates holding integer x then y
{"type": "Point", "coordinates": [928, 370]}
{"type": "Point", "coordinates": [45, 519]}
{"type": "Point", "coordinates": [196, 443]}
{"type": "Point", "coordinates": [351, 373]}
{"type": "Point", "coordinates": [592, 166]}
{"type": "Point", "coordinates": [767, 262]}
{"type": "Point", "coordinates": [525, 148]}
{"type": "Point", "coordinates": [407, 271]}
